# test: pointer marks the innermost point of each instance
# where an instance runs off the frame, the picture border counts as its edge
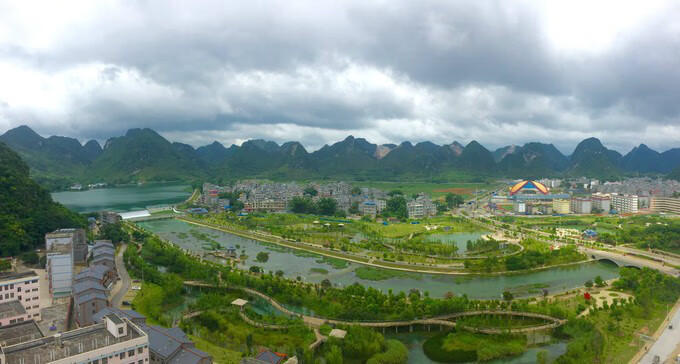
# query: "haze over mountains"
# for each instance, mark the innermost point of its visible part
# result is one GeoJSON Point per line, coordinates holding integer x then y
{"type": "Point", "coordinates": [142, 154]}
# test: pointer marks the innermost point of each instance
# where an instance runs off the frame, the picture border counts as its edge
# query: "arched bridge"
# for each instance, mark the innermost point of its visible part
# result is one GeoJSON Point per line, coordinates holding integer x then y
{"type": "Point", "coordinates": [623, 259]}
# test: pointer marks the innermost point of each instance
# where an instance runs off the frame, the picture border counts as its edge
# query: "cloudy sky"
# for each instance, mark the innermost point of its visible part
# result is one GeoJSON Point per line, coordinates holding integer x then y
{"type": "Point", "coordinates": [501, 72]}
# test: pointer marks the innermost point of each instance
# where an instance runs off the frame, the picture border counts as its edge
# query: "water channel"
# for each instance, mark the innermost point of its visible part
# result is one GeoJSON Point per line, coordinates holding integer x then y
{"type": "Point", "coordinates": [122, 199]}
{"type": "Point", "coordinates": [312, 268]}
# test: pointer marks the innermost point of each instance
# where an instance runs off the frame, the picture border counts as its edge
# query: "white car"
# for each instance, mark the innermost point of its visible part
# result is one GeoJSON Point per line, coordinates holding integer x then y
{"type": "Point", "coordinates": [136, 288]}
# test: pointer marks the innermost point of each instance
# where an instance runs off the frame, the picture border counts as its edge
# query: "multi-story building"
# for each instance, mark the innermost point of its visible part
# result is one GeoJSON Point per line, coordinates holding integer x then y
{"type": "Point", "coordinates": [103, 253]}
{"type": "Point", "coordinates": [560, 206]}
{"type": "Point", "coordinates": [97, 274]}
{"type": "Point", "coordinates": [22, 287]}
{"type": "Point", "coordinates": [12, 312]}
{"type": "Point", "coordinates": [88, 299]}
{"type": "Point", "coordinates": [601, 202]}
{"type": "Point", "coordinates": [19, 332]}
{"type": "Point", "coordinates": [75, 238]}
{"type": "Point", "coordinates": [265, 205]}
{"type": "Point", "coordinates": [669, 205]}
{"type": "Point", "coordinates": [580, 205]}
{"type": "Point", "coordinates": [59, 269]}
{"type": "Point", "coordinates": [166, 346]}
{"type": "Point", "coordinates": [422, 206]}
{"type": "Point", "coordinates": [624, 204]}
{"type": "Point", "coordinates": [109, 217]}
{"type": "Point", "coordinates": [519, 207]}
{"type": "Point", "coordinates": [369, 208]}
{"type": "Point", "coordinates": [114, 340]}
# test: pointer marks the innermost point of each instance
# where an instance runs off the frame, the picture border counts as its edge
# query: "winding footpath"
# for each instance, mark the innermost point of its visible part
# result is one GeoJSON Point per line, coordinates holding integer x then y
{"type": "Point", "coordinates": [443, 320]}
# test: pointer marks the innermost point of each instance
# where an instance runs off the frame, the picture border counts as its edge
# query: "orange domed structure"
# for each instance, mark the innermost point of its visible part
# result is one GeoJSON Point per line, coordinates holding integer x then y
{"type": "Point", "coordinates": [529, 185]}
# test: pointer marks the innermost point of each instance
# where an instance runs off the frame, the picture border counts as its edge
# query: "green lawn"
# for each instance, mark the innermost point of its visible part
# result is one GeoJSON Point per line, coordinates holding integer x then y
{"type": "Point", "coordinates": [220, 355]}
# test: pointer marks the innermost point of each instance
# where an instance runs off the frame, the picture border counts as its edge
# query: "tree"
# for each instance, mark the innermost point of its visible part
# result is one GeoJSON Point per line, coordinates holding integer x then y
{"type": "Point", "coordinates": [395, 193]}
{"type": "Point", "coordinates": [302, 205]}
{"type": "Point", "coordinates": [249, 341]}
{"type": "Point", "coordinates": [542, 357]}
{"type": "Point", "coordinates": [508, 296]}
{"type": "Point", "coordinates": [255, 269]}
{"type": "Point", "coordinates": [589, 284]}
{"type": "Point", "coordinates": [326, 206]}
{"type": "Point", "coordinates": [5, 265]}
{"type": "Point", "coordinates": [311, 191]}
{"type": "Point", "coordinates": [30, 258]}
{"type": "Point", "coordinates": [279, 273]}
{"type": "Point", "coordinates": [454, 200]}
{"type": "Point", "coordinates": [334, 355]}
{"type": "Point", "coordinates": [326, 283]}
{"type": "Point", "coordinates": [354, 208]}
{"type": "Point", "coordinates": [396, 207]}
{"type": "Point", "coordinates": [262, 257]}
{"type": "Point", "coordinates": [114, 232]}
{"type": "Point", "coordinates": [599, 282]}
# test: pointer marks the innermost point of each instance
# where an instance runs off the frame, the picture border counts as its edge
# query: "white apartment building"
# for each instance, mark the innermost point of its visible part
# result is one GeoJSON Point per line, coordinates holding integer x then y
{"type": "Point", "coordinates": [669, 205]}
{"type": "Point", "coordinates": [602, 202]}
{"type": "Point", "coordinates": [560, 206]}
{"type": "Point", "coordinates": [581, 205]}
{"type": "Point", "coordinates": [624, 204]}
{"type": "Point", "coordinates": [422, 206]}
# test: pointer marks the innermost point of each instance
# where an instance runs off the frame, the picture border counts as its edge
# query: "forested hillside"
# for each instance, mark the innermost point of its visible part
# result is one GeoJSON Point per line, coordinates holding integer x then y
{"type": "Point", "coordinates": [27, 211]}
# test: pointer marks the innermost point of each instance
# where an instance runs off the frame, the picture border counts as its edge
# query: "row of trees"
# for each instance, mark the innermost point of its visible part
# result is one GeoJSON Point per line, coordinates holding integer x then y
{"type": "Point", "coordinates": [305, 205]}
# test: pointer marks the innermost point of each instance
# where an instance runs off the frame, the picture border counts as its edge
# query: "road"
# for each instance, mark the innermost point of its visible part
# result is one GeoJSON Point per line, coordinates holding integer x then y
{"type": "Point", "coordinates": [124, 285]}
{"type": "Point", "coordinates": [667, 342]}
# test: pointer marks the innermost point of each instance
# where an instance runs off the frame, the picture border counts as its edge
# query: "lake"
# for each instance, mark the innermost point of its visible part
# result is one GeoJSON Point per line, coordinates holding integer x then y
{"type": "Point", "coordinates": [312, 268]}
{"type": "Point", "coordinates": [122, 199]}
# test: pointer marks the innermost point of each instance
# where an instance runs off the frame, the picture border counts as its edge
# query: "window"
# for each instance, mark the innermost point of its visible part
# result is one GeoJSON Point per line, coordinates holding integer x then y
{"type": "Point", "coordinates": [18, 289]}
{"type": "Point", "coordinates": [140, 350]}
{"type": "Point", "coordinates": [131, 353]}
{"type": "Point", "coordinates": [122, 355]}
{"type": "Point", "coordinates": [105, 360]}
{"type": "Point", "coordinates": [120, 331]}
{"type": "Point", "coordinates": [140, 361]}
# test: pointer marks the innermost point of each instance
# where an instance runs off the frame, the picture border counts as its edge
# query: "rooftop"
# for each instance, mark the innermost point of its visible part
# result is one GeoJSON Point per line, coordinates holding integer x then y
{"type": "Point", "coordinates": [5, 276]}
{"type": "Point", "coordinates": [11, 309]}
{"type": "Point", "coordinates": [67, 344]}
{"type": "Point", "coordinates": [18, 333]}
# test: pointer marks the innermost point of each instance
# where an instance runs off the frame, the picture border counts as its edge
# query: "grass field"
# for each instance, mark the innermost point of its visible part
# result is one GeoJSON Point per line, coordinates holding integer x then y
{"type": "Point", "coordinates": [433, 189]}
{"type": "Point", "coordinates": [220, 355]}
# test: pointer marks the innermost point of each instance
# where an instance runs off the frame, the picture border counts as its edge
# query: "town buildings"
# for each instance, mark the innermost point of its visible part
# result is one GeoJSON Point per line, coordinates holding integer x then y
{"type": "Point", "coordinates": [21, 287]}
{"type": "Point", "coordinates": [421, 206]}
{"type": "Point", "coordinates": [581, 205]}
{"type": "Point", "coordinates": [561, 206]}
{"type": "Point", "coordinates": [166, 346]}
{"type": "Point", "coordinates": [114, 340]}
{"type": "Point", "coordinates": [669, 205]}
{"type": "Point", "coordinates": [75, 238]}
{"type": "Point", "coordinates": [601, 202]}
{"type": "Point", "coordinates": [90, 290]}
{"type": "Point", "coordinates": [624, 204]}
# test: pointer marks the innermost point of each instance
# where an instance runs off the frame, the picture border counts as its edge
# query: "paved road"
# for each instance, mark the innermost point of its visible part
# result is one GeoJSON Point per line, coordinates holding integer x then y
{"type": "Point", "coordinates": [665, 345]}
{"type": "Point", "coordinates": [124, 279]}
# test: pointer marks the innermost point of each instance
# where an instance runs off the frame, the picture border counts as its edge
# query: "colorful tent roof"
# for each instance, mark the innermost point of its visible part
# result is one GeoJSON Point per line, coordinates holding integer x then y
{"type": "Point", "coordinates": [529, 184]}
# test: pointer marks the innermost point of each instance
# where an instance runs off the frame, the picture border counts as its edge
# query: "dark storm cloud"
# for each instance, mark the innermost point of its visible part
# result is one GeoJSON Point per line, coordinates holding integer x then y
{"type": "Point", "coordinates": [315, 72]}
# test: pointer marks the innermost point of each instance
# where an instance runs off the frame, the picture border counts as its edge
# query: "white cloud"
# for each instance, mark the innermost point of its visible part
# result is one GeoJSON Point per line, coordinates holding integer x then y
{"type": "Point", "coordinates": [498, 72]}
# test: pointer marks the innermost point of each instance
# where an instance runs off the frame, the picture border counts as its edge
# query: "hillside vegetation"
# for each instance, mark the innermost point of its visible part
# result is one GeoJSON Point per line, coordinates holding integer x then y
{"type": "Point", "coordinates": [27, 211]}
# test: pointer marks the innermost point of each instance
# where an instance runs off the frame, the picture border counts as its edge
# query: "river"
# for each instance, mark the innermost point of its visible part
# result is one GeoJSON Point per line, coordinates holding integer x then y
{"type": "Point", "coordinates": [122, 199]}
{"type": "Point", "coordinates": [314, 269]}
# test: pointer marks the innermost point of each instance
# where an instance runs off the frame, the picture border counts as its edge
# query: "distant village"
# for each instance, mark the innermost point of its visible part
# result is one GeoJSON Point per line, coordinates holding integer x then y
{"type": "Point", "coordinates": [276, 197]}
